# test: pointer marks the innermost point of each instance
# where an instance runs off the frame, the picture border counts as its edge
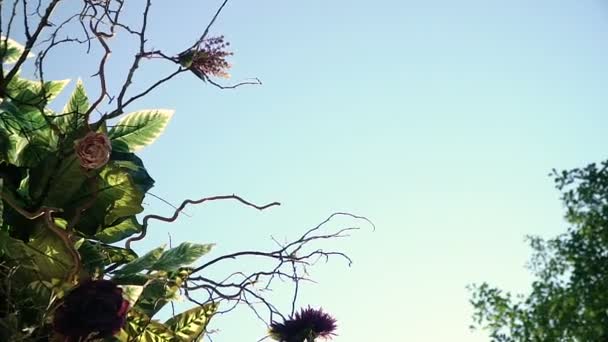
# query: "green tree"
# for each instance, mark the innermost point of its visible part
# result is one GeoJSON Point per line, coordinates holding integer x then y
{"type": "Point", "coordinates": [569, 297]}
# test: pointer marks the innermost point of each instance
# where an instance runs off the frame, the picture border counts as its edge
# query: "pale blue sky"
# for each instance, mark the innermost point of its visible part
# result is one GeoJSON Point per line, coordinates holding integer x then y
{"type": "Point", "coordinates": [439, 121]}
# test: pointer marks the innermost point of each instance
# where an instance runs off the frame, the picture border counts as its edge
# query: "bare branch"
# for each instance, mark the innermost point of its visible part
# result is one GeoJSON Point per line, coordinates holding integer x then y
{"type": "Point", "coordinates": [138, 57]}
{"type": "Point", "coordinates": [44, 22]}
{"type": "Point", "coordinates": [166, 202]}
{"type": "Point", "coordinates": [234, 86]}
{"type": "Point", "coordinates": [206, 32]}
{"type": "Point", "coordinates": [101, 72]}
{"type": "Point", "coordinates": [289, 264]}
{"type": "Point", "coordinates": [120, 110]}
{"type": "Point", "coordinates": [26, 25]}
{"type": "Point", "coordinates": [183, 205]}
{"type": "Point", "coordinates": [11, 18]}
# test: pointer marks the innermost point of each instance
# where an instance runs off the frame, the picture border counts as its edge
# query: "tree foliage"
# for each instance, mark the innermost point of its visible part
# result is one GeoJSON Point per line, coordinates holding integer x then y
{"type": "Point", "coordinates": [569, 296]}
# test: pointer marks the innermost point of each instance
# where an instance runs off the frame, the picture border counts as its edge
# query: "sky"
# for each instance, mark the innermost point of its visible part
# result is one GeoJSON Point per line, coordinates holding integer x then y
{"type": "Point", "coordinates": [438, 120]}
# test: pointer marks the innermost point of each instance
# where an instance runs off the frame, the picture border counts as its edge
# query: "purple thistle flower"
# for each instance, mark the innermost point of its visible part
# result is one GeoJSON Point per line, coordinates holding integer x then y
{"type": "Point", "coordinates": [94, 307]}
{"type": "Point", "coordinates": [304, 326]}
{"type": "Point", "coordinates": [208, 59]}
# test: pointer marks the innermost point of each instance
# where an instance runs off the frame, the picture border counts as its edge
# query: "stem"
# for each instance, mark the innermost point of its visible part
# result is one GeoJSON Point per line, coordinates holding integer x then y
{"type": "Point", "coordinates": [44, 21]}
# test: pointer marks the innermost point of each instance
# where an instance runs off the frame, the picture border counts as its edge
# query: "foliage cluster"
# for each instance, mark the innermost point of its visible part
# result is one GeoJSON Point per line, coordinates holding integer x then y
{"type": "Point", "coordinates": [569, 296]}
{"type": "Point", "coordinates": [71, 191]}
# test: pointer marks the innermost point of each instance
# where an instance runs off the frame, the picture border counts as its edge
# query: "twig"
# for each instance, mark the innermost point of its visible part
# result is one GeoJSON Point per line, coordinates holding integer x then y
{"type": "Point", "coordinates": [44, 21]}
{"type": "Point", "coordinates": [138, 56]}
{"type": "Point", "coordinates": [10, 20]}
{"type": "Point", "coordinates": [119, 111]}
{"type": "Point", "coordinates": [166, 202]}
{"type": "Point", "coordinates": [101, 36]}
{"type": "Point", "coordinates": [241, 291]}
{"type": "Point", "coordinates": [26, 25]}
{"type": "Point", "coordinates": [234, 86]}
{"type": "Point", "coordinates": [183, 205]}
{"type": "Point", "coordinates": [206, 32]}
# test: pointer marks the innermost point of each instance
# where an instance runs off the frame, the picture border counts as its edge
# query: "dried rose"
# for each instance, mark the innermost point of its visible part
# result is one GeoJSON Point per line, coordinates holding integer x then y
{"type": "Point", "coordinates": [93, 150]}
{"type": "Point", "coordinates": [95, 309]}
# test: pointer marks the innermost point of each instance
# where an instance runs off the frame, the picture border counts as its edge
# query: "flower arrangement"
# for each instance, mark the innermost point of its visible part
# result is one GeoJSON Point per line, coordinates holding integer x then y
{"type": "Point", "coordinates": [71, 191]}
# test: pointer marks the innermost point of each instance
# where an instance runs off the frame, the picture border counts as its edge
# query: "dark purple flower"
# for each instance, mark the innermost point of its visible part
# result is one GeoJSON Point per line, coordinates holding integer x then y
{"type": "Point", "coordinates": [208, 59]}
{"type": "Point", "coordinates": [306, 325]}
{"type": "Point", "coordinates": [94, 307]}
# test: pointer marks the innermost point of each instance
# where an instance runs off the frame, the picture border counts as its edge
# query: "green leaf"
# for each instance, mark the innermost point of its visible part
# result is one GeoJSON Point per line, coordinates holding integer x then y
{"type": "Point", "coordinates": [21, 128]}
{"type": "Point", "coordinates": [138, 129]}
{"type": "Point", "coordinates": [190, 325]}
{"type": "Point", "coordinates": [53, 88]}
{"type": "Point", "coordinates": [70, 178]}
{"type": "Point", "coordinates": [72, 117]}
{"type": "Point", "coordinates": [19, 226]}
{"type": "Point", "coordinates": [135, 167]}
{"type": "Point", "coordinates": [30, 95]}
{"type": "Point", "coordinates": [160, 291]}
{"type": "Point", "coordinates": [125, 197]}
{"type": "Point", "coordinates": [154, 297]}
{"type": "Point", "coordinates": [49, 253]}
{"type": "Point", "coordinates": [6, 145]}
{"type": "Point", "coordinates": [92, 257]}
{"type": "Point", "coordinates": [23, 191]}
{"type": "Point", "coordinates": [157, 332]}
{"type": "Point", "coordinates": [1, 208]}
{"type": "Point", "coordinates": [142, 263]}
{"type": "Point", "coordinates": [40, 176]}
{"type": "Point", "coordinates": [10, 50]}
{"type": "Point", "coordinates": [116, 338]}
{"type": "Point", "coordinates": [26, 135]}
{"type": "Point", "coordinates": [18, 85]}
{"type": "Point", "coordinates": [40, 145]}
{"type": "Point", "coordinates": [12, 248]}
{"type": "Point", "coordinates": [118, 255]}
{"type": "Point", "coordinates": [78, 102]}
{"type": "Point", "coordinates": [9, 140]}
{"type": "Point", "coordinates": [123, 229]}
{"type": "Point", "coordinates": [96, 256]}
{"type": "Point", "coordinates": [132, 293]}
{"type": "Point", "coordinates": [117, 197]}
{"type": "Point", "coordinates": [141, 328]}
{"type": "Point", "coordinates": [184, 254]}
{"type": "Point", "coordinates": [132, 279]}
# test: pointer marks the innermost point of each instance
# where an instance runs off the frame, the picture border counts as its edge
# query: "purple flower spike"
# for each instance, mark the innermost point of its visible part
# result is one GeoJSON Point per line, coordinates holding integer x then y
{"type": "Point", "coordinates": [208, 59]}
{"type": "Point", "coordinates": [304, 326]}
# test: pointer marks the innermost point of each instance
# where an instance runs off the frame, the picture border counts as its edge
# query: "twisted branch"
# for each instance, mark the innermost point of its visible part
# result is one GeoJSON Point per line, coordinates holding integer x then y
{"type": "Point", "coordinates": [183, 206]}
{"type": "Point", "coordinates": [47, 213]}
{"type": "Point", "coordinates": [290, 264]}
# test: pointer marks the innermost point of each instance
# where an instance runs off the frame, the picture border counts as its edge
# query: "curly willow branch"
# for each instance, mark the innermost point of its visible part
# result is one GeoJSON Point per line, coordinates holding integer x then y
{"type": "Point", "coordinates": [47, 213]}
{"type": "Point", "coordinates": [288, 262]}
{"type": "Point", "coordinates": [183, 205]}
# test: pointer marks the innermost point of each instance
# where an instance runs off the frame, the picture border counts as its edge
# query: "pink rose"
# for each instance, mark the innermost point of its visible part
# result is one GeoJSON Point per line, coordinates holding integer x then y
{"type": "Point", "coordinates": [93, 150]}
